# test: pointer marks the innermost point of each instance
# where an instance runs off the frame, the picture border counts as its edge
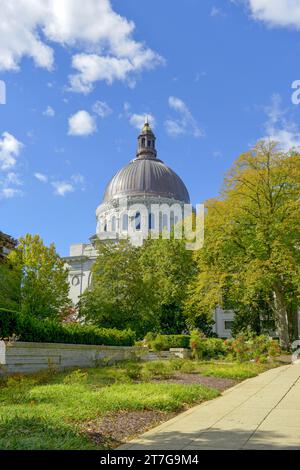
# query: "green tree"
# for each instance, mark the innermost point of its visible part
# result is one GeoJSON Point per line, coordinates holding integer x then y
{"type": "Point", "coordinates": [252, 240]}
{"type": "Point", "coordinates": [168, 267]}
{"type": "Point", "coordinates": [44, 278]}
{"type": "Point", "coordinates": [10, 286]}
{"type": "Point", "coordinates": [119, 296]}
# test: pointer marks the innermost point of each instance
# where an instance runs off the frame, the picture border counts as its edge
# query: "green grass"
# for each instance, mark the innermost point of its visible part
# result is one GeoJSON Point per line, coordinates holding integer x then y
{"type": "Point", "coordinates": [236, 371]}
{"type": "Point", "coordinates": [45, 411]}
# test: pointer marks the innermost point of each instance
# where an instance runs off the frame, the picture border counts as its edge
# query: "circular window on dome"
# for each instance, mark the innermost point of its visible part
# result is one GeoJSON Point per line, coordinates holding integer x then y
{"type": "Point", "coordinates": [75, 281]}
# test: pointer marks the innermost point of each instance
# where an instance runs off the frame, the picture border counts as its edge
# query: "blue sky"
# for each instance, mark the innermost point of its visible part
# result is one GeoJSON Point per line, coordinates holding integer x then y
{"type": "Point", "coordinates": [215, 75]}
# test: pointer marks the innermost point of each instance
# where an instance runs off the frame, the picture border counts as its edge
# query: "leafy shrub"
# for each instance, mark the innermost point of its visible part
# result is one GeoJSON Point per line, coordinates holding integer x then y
{"type": "Point", "coordinates": [214, 348]}
{"type": "Point", "coordinates": [207, 348]}
{"type": "Point", "coordinates": [246, 347]}
{"type": "Point", "coordinates": [76, 376]}
{"type": "Point", "coordinates": [30, 329]}
{"type": "Point", "coordinates": [196, 343]}
{"type": "Point", "coordinates": [157, 370]}
{"type": "Point", "coordinates": [134, 370]}
{"type": "Point", "coordinates": [165, 342]}
{"type": "Point", "coordinates": [188, 367]}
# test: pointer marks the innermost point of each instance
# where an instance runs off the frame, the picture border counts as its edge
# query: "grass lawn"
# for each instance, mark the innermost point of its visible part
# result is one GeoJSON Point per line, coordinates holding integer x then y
{"type": "Point", "coordinates": [50, 410]}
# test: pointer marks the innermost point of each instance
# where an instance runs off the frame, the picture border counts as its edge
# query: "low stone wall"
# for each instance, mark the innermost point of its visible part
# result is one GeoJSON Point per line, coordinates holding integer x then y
{"type": "Point", "coordinates": [173, 353]}
{"type": "Point", "coordinates": [19, 357]}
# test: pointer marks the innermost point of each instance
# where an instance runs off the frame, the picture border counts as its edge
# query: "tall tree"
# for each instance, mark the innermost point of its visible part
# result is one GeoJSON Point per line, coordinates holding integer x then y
{"type": "Point", "coordinates": [44, 278]}
{"type": "Point", "coordinates": [168, 266]}
{"type": "Point", "coordinates": [10, 286]}
{"type": "Point", "coordinates": [119, 296]}
{"type": "Point", "coordinates": [252, 239]}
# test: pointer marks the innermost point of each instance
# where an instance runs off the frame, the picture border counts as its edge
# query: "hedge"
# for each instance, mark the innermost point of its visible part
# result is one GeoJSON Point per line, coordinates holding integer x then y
{"type": "Point", "coordinates": [165, 342]}
{"type": "Point", "coordinates": [30, 329]}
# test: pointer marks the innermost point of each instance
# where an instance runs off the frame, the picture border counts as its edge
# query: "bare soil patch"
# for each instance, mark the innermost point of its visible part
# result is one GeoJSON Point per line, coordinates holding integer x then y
{"type": "Point", "coordinates": [118, 427]}
{"type": "Point", "coordinates": [192, 379]}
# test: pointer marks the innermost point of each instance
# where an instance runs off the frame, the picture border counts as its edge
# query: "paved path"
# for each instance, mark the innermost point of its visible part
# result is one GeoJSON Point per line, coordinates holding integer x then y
{"type": "Point", "coordinates": [260, 413]}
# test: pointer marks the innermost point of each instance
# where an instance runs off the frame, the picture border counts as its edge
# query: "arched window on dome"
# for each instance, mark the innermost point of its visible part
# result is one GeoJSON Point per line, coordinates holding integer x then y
{"type": "Point", "coordinates": [151, 224]}
{"type": "Point", "coordinates": [137, 221]}
{"type": "Point", "coordinates": [125, 222]}
{"type": "Point", "coordinates": [113, 224]}
{"type": "Point", "coordinates": [143, 142]}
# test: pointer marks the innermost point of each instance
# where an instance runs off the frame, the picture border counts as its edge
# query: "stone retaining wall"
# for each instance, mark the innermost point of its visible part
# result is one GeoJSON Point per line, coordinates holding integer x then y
{"type": "Point", "coordinates": [19, 357]}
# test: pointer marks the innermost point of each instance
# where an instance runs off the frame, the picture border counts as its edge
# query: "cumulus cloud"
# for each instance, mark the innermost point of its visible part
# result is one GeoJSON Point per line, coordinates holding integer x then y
{"type": "Point", "coordinates": [279, 128]}
{"type": "Point", "coordinates": [106, 49]}
{"type": "Point", "coordinates": [185, 123]}
{"type": "Point", "coordinates": [10, 149]}
{"type": "Point", "coordinates": [49, 112]}
{"type": "Point", "coordinates": [101, 109]}
{"type": "Point", "coordinates": [283, 13]}
{"type": "Point", "coordinates": [82, 123]}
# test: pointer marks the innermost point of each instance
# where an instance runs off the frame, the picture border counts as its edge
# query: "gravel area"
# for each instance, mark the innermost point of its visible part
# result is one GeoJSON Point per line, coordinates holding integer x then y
{"type": "Point", "coordinates": [116, 428]}
{"type": "Point", "coordinates": [212, 382]}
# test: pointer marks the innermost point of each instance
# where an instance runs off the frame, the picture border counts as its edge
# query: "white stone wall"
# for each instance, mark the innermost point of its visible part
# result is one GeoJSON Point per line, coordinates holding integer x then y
{"type": "Point", "coordinates": [79, 264]}
{"type": "Point", "coordinates": [20, 357]}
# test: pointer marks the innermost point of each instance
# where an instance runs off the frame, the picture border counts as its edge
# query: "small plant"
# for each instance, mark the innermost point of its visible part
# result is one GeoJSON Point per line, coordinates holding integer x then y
{"type": "Point", "coordinates": [159, 344]}
{"type": "Point", "coordinates": [188, 367]}
{"type": "Point", "coordinates": [196, 344]}
{"type": "Point", "coordinates": [157, 370]}
{"type": "Point", "coordinates": [75, 377]}
{"type": "Point", "coordinates": [134, 370]}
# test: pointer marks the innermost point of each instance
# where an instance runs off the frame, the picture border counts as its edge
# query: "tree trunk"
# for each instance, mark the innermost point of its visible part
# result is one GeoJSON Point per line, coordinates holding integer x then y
{"type": "Point", "coordinates": [281, 317]}
{"type": "Point", "coordinates": [293, 323]}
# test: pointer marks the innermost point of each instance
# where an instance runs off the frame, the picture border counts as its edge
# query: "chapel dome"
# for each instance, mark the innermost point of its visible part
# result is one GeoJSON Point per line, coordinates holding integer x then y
{"type": "Point", "coordinates": [146, 175]}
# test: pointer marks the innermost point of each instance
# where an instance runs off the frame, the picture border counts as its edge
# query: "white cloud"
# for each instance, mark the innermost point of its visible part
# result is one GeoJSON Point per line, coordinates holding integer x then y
{"type": "Point", "coordinates": [13, 178]}
{"type": "Point", "coordinates": [49, 112]}
{"type": "Point", "coordinates": [61, 188]}
{"type": "Point", "coordinates": [41, 177]}
{"type": "Point", "coordinates": [9, 193]}
{"type": "Point", "coordinates": [216, 12]}
{"type": "Point", "coordinates": [138, 120]}
{"type": "Point", "coordinates": [82, 124]}
{"type": "Point", "coordinates": [103, 40]}
{"type": "Point", "coordinates": [278, 128]}
{"type": "Point", "coordinates": [9, 185]}
{"type": "Point", "coordinates": [185, 124]}
{"type": "Point", "coordinates": [284, 13]}
{"type": "Point", "coordinates": [102, 109]}
{"type": "Point", "coordinates": [10, 149]}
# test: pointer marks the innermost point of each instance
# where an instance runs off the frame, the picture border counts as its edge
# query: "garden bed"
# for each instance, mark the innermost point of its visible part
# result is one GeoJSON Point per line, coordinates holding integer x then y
{"type": "Point", "coordinates": [103, 407]}
{"type": "Point", "coordinates": [115, 429]}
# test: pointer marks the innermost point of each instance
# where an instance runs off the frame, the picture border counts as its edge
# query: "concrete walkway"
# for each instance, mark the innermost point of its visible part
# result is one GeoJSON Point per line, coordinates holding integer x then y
{"type": "Point", "coordinates": [260, 413]}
